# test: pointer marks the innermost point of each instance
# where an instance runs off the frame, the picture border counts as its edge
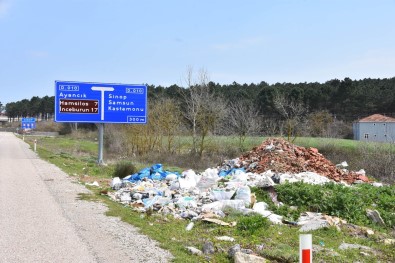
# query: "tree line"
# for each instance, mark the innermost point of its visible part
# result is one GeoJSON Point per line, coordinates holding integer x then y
{"type": "Point", "coordinates": [346, 99]}
{"type": "Point", "coordinates": [40, 108]}
{"type": "Point", "coordinates": [200, 107]}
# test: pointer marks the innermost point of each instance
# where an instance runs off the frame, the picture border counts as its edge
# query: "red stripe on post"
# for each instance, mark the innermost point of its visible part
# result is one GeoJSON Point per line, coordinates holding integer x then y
{"type": "Point", "coordinates": [306, 255]}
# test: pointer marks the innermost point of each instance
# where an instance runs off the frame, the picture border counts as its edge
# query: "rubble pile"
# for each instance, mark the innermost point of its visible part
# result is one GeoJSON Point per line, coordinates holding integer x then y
{"type": "Point", "coordinates": [280, 156]}
{"type": "Point", "coordinates": [208, 195]}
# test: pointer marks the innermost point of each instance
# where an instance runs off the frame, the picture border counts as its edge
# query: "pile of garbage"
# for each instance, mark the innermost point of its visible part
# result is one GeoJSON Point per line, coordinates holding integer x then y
{"type": "Point", "coordinates": [208, 195]}
{"type": "Point", "coordinates": [189, 195]}
{"type": "Point", "coordinates": [281, 156]}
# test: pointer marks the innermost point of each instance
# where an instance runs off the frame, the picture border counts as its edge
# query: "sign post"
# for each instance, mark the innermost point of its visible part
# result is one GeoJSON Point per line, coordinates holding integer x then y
{"type": "Point", "coordinates": [101, 136]}
{"type": "Point", "coordinates": [100, 103]}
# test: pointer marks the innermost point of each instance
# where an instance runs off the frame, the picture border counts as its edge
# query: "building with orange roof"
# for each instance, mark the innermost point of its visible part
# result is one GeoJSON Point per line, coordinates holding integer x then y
{"type": "Point", "coordinates": [375, 128]}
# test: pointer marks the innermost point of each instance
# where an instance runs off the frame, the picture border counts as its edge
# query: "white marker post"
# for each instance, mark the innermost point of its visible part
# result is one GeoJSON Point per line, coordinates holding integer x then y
{"type": "Point", "coordinates": [101, 125]}
{"type": "Point", "coordinates": [305, 248]}
{"type": "Point", "coordinates": [35, 145]}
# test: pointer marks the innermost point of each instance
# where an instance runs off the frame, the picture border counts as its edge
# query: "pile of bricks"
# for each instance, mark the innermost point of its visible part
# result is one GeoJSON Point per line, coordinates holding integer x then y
{"type": "Point", "coordinates": [281, 156]}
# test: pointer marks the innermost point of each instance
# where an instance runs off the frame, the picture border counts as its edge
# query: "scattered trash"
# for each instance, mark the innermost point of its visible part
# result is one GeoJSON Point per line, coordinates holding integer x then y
{"type": "Point", "coordinates": [261, 208]}
{"type": "Point", "coordinates": [244, 193]}
{"type": "Point", "coordinates": [342, 165]}
{"type": "Point", "coordinates": [376, 184]}
{"type": "Point", "coordinates": [194, 251]}
{"type": "Point", "coordinates": [189, 226]}
{"type": "Point", "coordinates": [211, 195]}
{"type": "Point", "coordinates": [312, 221]}
{"type": "Point", "coordinates": [225, 238]}
{"type": "Point", "coordinates": [219, 222]}
{"type": "Point", "coordinates": [116, 183]}
{"type": "Point", "coordinates": [95, 183]}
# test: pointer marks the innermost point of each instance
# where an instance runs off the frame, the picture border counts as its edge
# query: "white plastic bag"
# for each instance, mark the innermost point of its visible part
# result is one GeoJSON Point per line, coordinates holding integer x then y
{"type": "Point", "coordinates": [116, 183]}
{"type": "Point", "coordinates": [188, 179]}
{"type": "Point", "coordinates": [244, 193]}
{"type": "Point", "coordinates": [222, 194]}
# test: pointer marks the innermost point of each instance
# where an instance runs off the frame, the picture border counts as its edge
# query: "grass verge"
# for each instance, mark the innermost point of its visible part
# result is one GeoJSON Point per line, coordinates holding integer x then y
{"type": "Point", "coordinates": [278, 243]}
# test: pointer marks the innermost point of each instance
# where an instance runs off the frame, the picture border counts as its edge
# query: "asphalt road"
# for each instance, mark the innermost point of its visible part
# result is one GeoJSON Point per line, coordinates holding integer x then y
{"type": "Point", "coordinates": [42, 220]}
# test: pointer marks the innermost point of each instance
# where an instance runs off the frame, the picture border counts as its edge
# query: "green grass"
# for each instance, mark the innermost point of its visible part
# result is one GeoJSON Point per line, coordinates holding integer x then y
{"type": "Point", "coordinates": [279, 242]}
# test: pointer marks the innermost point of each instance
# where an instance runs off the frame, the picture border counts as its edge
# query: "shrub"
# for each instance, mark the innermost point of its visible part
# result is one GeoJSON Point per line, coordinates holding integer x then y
{"type": "Point", "coordinates": [250, 224]}
{"type": "Point", "coordinates": [349, 203]}
{"type": "Point", "coordinates": [378, 159]}
{"type": "Point", "coordinates": [123, 169]}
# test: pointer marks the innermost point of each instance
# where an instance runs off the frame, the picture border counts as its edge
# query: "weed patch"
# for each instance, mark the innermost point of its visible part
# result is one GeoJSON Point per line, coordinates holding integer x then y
{"type": "Point", "coordinates": [124, 168]}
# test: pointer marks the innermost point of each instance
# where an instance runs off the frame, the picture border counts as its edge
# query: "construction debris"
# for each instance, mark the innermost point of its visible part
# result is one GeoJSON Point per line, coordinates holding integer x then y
{"type": "Point", "coordinates": [241, 257]}
{"type": "Point", "coordinates": [280, 156]}
{"type": "Point", "coordinates": [209, 195]}
{"type": "Point", "coordinates": [312, 221]}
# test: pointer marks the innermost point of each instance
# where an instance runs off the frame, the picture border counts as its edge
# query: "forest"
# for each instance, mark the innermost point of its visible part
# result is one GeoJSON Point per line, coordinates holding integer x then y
{"type": "Point", "coordinates": [311, 109]}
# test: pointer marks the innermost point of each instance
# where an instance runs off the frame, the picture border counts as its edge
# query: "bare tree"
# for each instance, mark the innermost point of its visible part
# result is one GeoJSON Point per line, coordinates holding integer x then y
{"type": "Point", "coordinates": [169, 121]}
{"type": "Point", "coordinates": [292, 111]}
{"type": "Point", "coordinates": [202, 108]}
{"type": "Point", "coordinates": [270, 126]}
{"type": "Point", "coordinates": [243, 120]}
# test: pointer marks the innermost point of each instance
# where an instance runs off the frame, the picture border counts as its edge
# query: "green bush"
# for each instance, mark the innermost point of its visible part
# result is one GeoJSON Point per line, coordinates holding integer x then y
{"type": "Point", "coordinates": [251, 224]}
{"type": "Point", "coordinates": [123, 169]}
{"type": "Point", "coordinates": [349, 203]}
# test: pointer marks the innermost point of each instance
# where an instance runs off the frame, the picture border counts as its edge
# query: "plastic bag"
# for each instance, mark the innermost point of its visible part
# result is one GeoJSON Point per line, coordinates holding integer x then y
{"type": "Point", "coordinates": [186, 202]}
{"type": "Point", "coordinates": [116, 183]}
{"type": "Point", "coordinates": [220, 205]}
{"type": "Point", "coordinates": [244, 193]}
{"type": "Point", "coordinates": [206, 182]}
{"type": "Point", "coordinates": [222, 194]}
{"type": "Point", "coordinates": [189, 179]}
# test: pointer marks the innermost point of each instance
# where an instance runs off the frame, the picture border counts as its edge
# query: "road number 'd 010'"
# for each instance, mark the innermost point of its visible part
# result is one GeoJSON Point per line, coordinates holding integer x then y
{"type": "Point", "coordinates": [135, 90]}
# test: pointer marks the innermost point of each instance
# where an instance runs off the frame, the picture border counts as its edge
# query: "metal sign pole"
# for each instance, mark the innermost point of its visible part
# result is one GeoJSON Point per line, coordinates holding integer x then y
{"type": "Point", "coordinates": [101, 136]}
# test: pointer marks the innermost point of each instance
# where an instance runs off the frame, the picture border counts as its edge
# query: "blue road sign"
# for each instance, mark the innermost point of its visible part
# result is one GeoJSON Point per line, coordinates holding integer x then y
{"type": "Point", "coordinates": [100, 102]}
{"type": "Point", "coordinates": [28, 123]}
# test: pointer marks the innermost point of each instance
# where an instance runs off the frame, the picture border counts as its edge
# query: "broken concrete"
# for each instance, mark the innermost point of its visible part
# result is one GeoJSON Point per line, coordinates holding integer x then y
{"type": "Point", "coordinates": [241, 257]}
{"type": "Point", "coordinates": [281, 156]}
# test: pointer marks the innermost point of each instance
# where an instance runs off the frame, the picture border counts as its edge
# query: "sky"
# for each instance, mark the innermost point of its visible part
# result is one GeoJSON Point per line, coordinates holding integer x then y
{"type": "Point", "coordinates": [155, 42]}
